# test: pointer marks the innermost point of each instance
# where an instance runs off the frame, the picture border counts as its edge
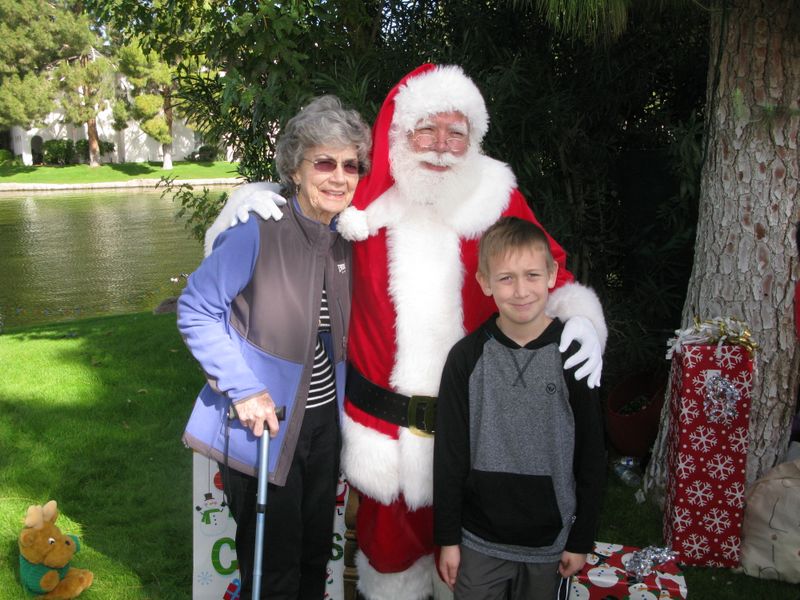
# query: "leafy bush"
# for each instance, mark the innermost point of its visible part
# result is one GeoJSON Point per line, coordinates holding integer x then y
{"type": "Point", "coordinates": [82, 149]}
{"type": "Point", "coordinates": [6, 157]}
{"type": "Point", "coordinates": [107, 147]}
{"type": "Point", "coordinates": [207, 153]}
{"type": "Point", "coordinates": [59, 152]}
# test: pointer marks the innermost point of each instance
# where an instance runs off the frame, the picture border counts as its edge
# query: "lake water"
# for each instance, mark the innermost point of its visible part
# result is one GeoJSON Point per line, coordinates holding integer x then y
{"type": "Point", "coordinates": [89, 253]}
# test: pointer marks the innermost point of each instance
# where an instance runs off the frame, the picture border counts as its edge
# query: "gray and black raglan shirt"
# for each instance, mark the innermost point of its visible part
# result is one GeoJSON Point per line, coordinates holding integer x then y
{"type": "Point", "coordinates": [519, 456]}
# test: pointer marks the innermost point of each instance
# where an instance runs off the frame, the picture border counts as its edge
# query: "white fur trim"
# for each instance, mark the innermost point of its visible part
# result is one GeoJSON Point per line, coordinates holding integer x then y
{"type": "Point", "coordinates": [443, 89]}
{"type": "Point", "coordinates": [426, 273]}
{"type": "Point", "coordinates": [352, 224]}
{"type": "Point", "coordinates": [370, 461]}
{"type": "Point", "coordinates": [415, 583]}
{"type": "Point", "coordinates": [425, 279]}
{"type": "Point", "coordinates": [490, 185]}
{"type": "Point", "coordinates": [573, 299]}
{"type": "Point", "coordinates": [416, 469]}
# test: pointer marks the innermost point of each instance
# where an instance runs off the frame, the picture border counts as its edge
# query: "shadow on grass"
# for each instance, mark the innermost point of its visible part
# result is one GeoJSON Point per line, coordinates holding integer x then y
{"type": "Point", "coordinates": [135, 169]}
{"type": "Point", "coordinates": [107, 447]}
{"type": "Point", "coordinates": [8, 170]}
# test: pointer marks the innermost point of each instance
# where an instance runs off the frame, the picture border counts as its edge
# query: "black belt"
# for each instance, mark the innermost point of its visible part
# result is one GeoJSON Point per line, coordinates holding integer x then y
{"type": "Point", "coordinates": [418, 413]}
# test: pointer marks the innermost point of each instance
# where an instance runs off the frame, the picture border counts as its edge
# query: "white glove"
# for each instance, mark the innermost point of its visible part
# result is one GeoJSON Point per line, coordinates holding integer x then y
{"type": "Point", "coordinates": [581, 329]}
{"type": "Point", "coordinates": [262, 197]}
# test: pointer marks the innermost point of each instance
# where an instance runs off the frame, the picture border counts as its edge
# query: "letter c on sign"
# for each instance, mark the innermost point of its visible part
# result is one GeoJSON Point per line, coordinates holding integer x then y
{"type": "Point", "coordinates": [215, 552]}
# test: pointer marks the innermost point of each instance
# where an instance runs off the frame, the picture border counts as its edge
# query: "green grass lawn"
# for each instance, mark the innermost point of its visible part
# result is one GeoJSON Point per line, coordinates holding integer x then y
{"type": "Point", "coordinates": [76, 174]}
{"type": "Point", "coordinates": [91, 414]}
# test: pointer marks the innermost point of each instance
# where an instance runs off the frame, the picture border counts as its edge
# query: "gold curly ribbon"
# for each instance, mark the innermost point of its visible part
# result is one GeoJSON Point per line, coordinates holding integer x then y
{"type": "Point", "coordinates": [719, 331]}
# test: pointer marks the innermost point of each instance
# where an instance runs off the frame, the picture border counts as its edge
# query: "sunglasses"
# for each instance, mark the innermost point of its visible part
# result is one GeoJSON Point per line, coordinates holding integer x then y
{"type": "Point", "coordinates": [328, 165]}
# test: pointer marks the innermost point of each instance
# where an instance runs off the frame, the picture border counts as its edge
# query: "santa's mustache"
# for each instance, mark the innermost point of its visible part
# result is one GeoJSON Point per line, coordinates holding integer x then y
{"type": "Point", "coordinates": [445, 159]}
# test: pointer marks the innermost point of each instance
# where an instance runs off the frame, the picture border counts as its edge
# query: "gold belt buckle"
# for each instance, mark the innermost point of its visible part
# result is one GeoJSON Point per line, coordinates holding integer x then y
{"type": "Point", "coordinates": [428, 416]}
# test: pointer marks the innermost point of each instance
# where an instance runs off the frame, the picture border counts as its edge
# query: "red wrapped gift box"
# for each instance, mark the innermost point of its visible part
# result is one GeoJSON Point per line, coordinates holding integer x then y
{"type": "Point", "coordinates": [707, 453]}
{"type": "Point", "coordinates": [604, 577]}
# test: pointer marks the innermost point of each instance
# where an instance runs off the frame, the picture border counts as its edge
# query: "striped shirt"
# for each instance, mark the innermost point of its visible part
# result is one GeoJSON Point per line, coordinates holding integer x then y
{"type": "Point", "coordinates": [322, 388]}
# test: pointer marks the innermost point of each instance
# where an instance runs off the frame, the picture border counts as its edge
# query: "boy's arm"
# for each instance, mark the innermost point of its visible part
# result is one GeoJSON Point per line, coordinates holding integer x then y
{"type": "Point", "coordinates": [449, 560]}
{"type": "Point", "coordinates": [589, 462]}
{"type": "Point", "coordinates": [570, 563]}
{"type": "Point", "coordinates": [451, 449]}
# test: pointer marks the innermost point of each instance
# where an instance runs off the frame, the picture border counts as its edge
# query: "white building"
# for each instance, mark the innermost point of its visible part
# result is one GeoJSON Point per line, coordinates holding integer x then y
{"type": "Point", "coordinates": [131, 144]}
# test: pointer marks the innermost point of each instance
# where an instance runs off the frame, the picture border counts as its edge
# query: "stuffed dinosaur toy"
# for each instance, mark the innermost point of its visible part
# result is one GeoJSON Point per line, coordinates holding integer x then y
{"type": "Point", "coordinates": [44, 556]}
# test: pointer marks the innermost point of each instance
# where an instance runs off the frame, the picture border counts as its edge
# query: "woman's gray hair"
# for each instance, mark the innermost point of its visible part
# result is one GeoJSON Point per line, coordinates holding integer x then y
{"type": "Point", "coordinates": [322, 122]}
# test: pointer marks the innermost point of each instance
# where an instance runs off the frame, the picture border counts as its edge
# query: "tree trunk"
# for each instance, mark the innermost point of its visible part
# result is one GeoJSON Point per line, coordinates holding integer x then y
{"type": "Point", "coordinates": [94, 144]}
{"type": "Point", "coordinates": [167, 147]}
{"type": "Point", "coordinates": [745, 252]}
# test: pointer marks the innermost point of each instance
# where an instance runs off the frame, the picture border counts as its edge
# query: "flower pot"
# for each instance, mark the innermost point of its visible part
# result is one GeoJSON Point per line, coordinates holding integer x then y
{"type": "Point", "coordinates": [633, 411]}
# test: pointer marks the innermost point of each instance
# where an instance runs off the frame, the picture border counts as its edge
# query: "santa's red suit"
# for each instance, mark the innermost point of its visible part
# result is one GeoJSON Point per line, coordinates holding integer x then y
{"type": "Point", "coordinates": [414, 296]}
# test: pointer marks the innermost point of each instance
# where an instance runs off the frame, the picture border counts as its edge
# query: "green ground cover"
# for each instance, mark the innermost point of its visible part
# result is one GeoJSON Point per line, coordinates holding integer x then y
{"type": "Point", "coordinates": [91, 414]}
{"type": "Point", "coordinates": [77, 174]}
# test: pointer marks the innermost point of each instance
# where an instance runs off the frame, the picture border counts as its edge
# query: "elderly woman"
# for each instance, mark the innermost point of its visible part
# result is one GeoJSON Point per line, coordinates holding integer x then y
{"type": "Point", "coordinates": [266, 314]}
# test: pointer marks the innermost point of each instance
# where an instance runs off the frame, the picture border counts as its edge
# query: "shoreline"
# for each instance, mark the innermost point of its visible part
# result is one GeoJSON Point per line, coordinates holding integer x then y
{"type": "Point", "coordinates": [131, 183]}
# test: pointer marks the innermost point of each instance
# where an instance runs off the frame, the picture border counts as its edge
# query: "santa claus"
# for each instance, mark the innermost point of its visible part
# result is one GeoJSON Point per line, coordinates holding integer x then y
{"type": "Point", "coordinates": [416, 220]}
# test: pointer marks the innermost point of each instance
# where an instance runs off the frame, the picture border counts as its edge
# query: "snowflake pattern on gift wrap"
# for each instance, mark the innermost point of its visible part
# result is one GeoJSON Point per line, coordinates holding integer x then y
{"type": "Point", "coordinates": [699, 493]}
{"type": "Point", "coordinates": [743, 382]}
{"type": "Point", "coordinates": [728, 356]}
{"type": "Point", "coordinates": [692, 356]}
{"type": "Point", "coordinates": [730, 547]}
{"type": "Point", "coordinates": [716, 520]}
{"type": "Point", "coordinates": [720, 467]}
{"type": "Point", "coordinates": [689, 411]}
{"type": "Point", "coordinates": [735, 495]}
{"type": "Point", "coordinates": [681, 519]}
{"type": "Point", "coordinates": [695, 546]}
{"type": "Point", "coordinates": [699, 383]}
{"type": "Point", "coordinates": [738, 440]}
{"type": "Point", "coordinates": [685, 466]}
{"type": "Point", "coordinates": [703, 439]}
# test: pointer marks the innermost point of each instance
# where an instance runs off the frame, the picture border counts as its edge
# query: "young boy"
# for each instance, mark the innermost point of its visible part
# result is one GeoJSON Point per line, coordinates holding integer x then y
{"type": "Point", "coordinates": [519, 455]}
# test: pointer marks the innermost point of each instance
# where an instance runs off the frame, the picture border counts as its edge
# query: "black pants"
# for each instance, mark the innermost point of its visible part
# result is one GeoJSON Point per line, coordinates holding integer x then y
{"type": "Point", "coordinates": [299, 520]}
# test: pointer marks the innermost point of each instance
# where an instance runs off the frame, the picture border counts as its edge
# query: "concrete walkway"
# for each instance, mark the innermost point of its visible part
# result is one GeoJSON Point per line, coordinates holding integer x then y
{"type": "Point", "coordinates": [131, 183]}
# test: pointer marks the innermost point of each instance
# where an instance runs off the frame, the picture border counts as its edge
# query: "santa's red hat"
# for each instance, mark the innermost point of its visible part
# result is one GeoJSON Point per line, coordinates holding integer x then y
{"type": "Point", "coordinates": [427, 90]}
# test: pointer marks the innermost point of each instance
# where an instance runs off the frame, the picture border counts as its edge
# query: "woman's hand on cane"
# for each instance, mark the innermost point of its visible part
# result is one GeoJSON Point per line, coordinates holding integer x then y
{"type": "Point", "coordinates": [254, 412]}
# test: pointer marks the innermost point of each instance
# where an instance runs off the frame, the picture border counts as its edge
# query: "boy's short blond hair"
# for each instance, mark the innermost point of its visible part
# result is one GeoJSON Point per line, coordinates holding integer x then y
{"type": "Point", "coordinates": [512, 233]}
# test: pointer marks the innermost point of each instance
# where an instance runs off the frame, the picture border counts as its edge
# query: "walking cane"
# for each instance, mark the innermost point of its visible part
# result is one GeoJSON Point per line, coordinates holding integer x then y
{"type": "Point", "coordinates": [261, 503]}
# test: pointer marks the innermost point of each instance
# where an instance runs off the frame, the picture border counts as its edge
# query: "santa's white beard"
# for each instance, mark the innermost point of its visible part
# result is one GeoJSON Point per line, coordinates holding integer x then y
{"type": "Point", "coordinates": [422, 186]}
